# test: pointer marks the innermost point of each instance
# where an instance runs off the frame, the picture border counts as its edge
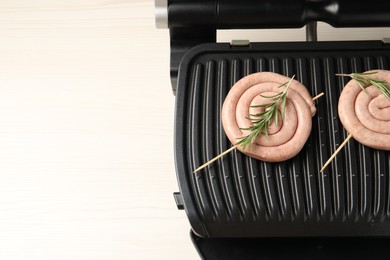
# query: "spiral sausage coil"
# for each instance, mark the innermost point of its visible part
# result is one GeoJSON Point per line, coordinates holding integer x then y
{"type": "Point", "coordinates": [366, 114]}
{"type": "Point", "coordinates": [287, 138]}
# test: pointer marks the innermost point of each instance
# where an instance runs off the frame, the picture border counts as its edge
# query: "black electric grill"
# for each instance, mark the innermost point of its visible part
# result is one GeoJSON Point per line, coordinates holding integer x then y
{"type": "Point", "coordinates": [238, 196]}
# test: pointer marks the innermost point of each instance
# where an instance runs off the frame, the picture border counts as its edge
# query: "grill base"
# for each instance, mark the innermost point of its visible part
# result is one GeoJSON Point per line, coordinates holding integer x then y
{"type": "Point", "coordinates": [291, 248]}
{"type": "Point", "coordinates": [242, 197]}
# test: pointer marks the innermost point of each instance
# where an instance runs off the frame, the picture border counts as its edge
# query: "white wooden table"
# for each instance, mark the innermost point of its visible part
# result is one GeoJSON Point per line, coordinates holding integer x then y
{"type": "Point", "coordinates": [86, 130]}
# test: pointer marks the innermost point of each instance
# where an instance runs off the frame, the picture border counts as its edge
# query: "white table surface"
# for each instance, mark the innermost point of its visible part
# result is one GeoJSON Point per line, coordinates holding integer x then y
{"type": "Point", "coordinates": [86, 130]}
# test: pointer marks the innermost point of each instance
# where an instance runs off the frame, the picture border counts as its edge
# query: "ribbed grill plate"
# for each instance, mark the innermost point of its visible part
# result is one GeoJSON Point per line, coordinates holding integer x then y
{"type": "Point", "coordinates": [239, 196]}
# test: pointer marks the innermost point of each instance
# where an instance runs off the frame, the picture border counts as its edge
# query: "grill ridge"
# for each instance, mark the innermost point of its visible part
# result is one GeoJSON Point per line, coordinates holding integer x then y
{"type": "Point", "coordinates": [234, 213]}
{"type": "Point", "coordinates": [209, 141]}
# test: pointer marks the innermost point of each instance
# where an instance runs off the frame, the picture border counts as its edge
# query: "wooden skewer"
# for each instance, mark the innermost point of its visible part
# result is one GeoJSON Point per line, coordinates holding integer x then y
{"type": "Point", "coordinates": [318, 96]}
{"type": "Point", "coordinates": [336, 152]}
{"type": "Point", "coordinates": [235, 146]}
{"type": "Point", "coordinates": [216, 158]}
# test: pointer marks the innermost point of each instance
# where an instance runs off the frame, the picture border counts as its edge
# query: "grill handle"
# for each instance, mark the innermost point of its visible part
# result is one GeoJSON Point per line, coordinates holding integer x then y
{"type": "Point", "coordinates": [193, 22]}
{"type": "Point", "coordinates": [256, 14]}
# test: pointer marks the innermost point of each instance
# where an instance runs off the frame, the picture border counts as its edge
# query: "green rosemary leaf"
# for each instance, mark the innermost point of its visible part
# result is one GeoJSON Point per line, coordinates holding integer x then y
{"type": "Point", "coordinates": [359, 82]}
{"type": "Point", "coordinates": [261, 105]}
{"type": "Point", "coordinates": [383, 88]}
{"type": "Point", "coordinates": [368, 73]}
{"type": "Point", "coordinates": [266, 131]}
{"type": "Point", "coordinates": [259, 114]}
{"type": "Point", "coordinates": [273, 96]}
{"type": "Point", "coordinates": [283, 108]}
{"type": "Point", "coordinates": [250, 128]}
{"type": "Point", "coordinates": [276, 119]}
{"type": "Point", "coordinates": [285, 83]}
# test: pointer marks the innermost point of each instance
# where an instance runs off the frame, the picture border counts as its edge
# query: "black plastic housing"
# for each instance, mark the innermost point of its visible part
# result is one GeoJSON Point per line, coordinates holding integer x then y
{"type": "Point", "coordinates": [358, 248]}
{"type": "Point", "coordinates": [247, 14]}
{"type": "Point", "coordinates": [238, 196]}
{"type": "Point", "coordinates": [195, 22]}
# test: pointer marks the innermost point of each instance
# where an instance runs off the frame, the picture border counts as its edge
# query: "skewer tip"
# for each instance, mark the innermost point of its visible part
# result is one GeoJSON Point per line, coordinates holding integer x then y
{"type": "Point", "coordinates": [318, 96]}
{"type": "Point", "coordinates": [336, 152]}
{"type": "Point", "coordinates": [215, 158]}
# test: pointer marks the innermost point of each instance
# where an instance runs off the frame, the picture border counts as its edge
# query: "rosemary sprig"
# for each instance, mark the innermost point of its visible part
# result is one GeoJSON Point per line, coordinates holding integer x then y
{"type": "Point", "coordinates": [261, 121]}
{"type": "Point", "coordinates": [362, 80]}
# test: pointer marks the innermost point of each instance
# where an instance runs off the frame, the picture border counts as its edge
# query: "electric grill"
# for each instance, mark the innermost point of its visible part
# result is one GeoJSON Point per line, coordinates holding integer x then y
{"type": "Point", "coordinates": [238, 200]}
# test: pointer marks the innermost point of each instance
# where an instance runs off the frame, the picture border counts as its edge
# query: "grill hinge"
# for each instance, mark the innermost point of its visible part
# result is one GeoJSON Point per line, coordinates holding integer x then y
{"type": "Point", "coordinates": [240, 43]}
{"type": "Point", "coordinates": [386, 40]}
